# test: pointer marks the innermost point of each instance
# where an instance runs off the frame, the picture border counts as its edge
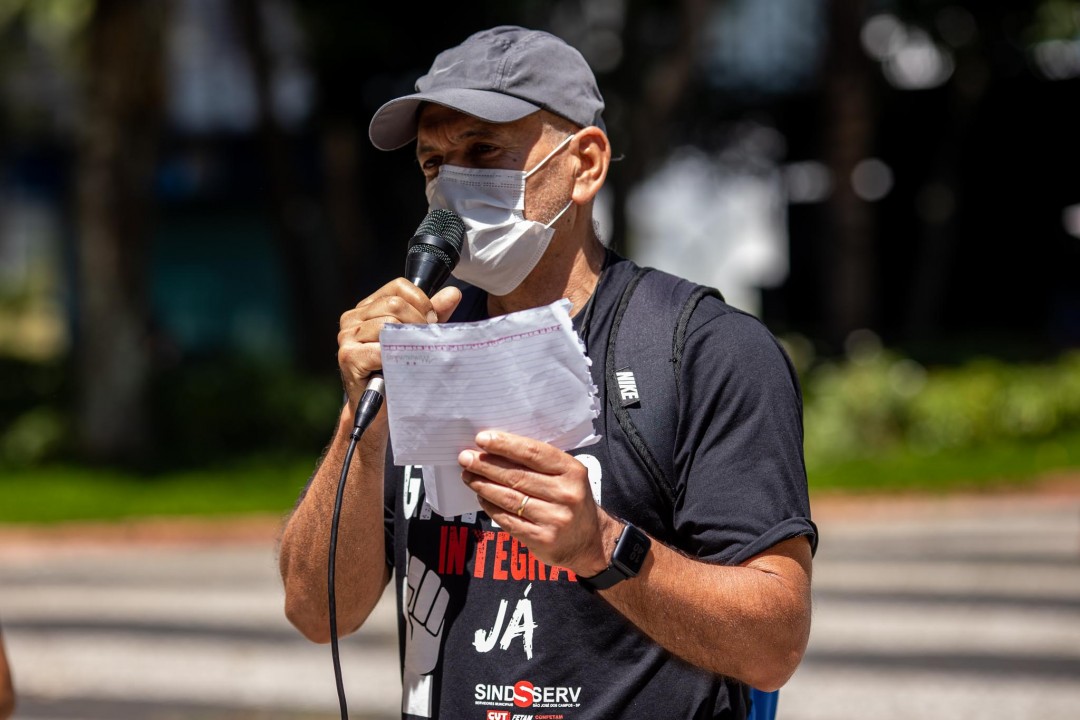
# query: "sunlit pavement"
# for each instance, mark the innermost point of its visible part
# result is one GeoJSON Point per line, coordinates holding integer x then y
{"type": "Point", "coordinates": [961, 609]}
{"type": "Point", "coordinates": [156, 632]}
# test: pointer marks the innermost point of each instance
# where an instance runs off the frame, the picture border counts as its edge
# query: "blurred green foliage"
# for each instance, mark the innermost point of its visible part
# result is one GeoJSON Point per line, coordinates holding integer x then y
{"type": "Point", "coordinates": [240, 437]}
{"type": "Point", "coordinates": [34, 416]}
{"type": "Point", "coordinates": [877, 402]}
{"type": "Point", "coordinates": [220, 411]}
{"type": "Point", "coordinates": [1008, 464]}
{"type": "Point", "coordinates": [871, 402]}
{"type": "Point", "coordinates": [203, 414]}
{"type": "Point", "coordinates": [62, 492]}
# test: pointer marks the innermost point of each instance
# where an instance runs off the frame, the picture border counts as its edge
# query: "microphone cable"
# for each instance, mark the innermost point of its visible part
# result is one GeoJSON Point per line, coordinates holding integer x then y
{"type": "Point", "coordinates": [366, 410]}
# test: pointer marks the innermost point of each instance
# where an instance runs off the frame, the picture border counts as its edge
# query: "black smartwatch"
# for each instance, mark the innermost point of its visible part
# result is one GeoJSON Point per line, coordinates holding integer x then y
{"type": "Point", "coordinates": [626, 561]}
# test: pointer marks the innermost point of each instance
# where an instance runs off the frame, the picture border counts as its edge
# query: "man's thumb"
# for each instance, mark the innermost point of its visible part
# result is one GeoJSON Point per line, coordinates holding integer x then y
{"type": "Point", "coordinates": [445, 302]}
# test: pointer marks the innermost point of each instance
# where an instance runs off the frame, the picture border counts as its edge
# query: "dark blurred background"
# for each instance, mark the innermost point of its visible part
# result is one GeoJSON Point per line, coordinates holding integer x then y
{"type": "Point", "coordinates": [188, 201]}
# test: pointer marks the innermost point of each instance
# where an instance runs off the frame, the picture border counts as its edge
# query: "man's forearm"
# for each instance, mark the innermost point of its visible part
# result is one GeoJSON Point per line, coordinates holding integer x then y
{"type": "Point", "coordinates": [749, 622]}
{"type": "Point", "coordinates": [360, 569]}
{"type": "Point", "coordinates": [7, 689]}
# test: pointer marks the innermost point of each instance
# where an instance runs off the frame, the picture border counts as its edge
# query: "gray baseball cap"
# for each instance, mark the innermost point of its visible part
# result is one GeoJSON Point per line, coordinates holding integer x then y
{"type": "Point", "coordinates": [498, 75]}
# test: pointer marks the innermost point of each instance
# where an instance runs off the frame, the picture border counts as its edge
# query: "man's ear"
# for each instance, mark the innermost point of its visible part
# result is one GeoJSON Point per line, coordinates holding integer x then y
{"type": "Point", "coordinates": [593, 153]}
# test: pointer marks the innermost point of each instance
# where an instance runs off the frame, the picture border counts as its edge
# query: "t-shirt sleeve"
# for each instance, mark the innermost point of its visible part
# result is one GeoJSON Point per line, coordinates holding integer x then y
{"type": "Point", "coordinates": [739, 442]}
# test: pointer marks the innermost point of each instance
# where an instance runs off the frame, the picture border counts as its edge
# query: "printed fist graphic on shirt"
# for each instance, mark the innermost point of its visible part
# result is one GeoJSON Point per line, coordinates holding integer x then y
{"type": "Point", "coordinates": [424, 607]}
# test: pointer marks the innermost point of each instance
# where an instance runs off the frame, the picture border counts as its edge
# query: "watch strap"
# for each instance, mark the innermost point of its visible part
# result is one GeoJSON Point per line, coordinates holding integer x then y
{"type": "Point", "coordinates": [603, 579]}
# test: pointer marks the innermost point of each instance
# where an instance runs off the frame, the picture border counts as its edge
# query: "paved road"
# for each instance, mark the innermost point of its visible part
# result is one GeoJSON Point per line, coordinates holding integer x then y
{"type": "Point", "coordinates": [963, 609]}
{"type": "Point", "coordinates": [967, 610]}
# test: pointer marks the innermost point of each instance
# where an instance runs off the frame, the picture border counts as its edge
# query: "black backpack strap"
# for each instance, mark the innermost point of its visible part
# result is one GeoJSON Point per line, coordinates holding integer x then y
{"type": "Point", "coordinates": [642, 367]}
{"type": "Point", "coordinates": [614, 399]}
{"type": "Point", "coordinates": [699, 294]}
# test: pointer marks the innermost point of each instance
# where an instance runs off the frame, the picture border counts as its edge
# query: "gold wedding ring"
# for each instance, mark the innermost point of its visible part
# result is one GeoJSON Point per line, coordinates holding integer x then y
{"type": "Point", "coordinates": [524, 502]}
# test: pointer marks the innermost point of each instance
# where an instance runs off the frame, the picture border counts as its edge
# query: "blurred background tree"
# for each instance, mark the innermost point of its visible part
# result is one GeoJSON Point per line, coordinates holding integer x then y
{"type": "Point", "coordinates": [188, 199]}
{"type": "Point", "coordinates": [121, 108]}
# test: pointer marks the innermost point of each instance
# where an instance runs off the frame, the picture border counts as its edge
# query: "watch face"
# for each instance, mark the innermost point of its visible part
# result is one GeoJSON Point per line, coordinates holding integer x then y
{"type": "Point", "coordinates": [637, 554]}
{"type": "Point", "coordinates": [631, 550]}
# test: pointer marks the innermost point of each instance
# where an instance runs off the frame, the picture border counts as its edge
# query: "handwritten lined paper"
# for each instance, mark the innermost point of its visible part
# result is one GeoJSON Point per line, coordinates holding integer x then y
{"type": "Point", "coordinates": [524, 373]}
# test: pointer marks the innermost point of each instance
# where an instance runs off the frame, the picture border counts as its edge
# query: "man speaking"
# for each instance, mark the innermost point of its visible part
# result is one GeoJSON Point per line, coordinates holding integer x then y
{"type": "Point", "coordinates": [660, 573]}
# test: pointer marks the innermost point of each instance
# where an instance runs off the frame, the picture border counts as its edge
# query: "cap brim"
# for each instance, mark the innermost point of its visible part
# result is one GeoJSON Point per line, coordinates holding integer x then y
{"type": "Point", "coordinates": [394, 124]}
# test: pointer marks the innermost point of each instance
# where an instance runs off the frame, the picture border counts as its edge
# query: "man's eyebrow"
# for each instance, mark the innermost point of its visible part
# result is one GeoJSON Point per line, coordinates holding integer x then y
{"type": "Point", "coordinates": [476, 133]}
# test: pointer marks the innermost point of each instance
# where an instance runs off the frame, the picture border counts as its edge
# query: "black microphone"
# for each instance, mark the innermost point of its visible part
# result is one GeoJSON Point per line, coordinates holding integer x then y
{"type": "Point", "coordinates": [434, 251]}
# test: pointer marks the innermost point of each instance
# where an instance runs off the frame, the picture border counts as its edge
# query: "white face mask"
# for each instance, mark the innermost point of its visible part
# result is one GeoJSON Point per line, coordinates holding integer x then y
{"type": "Point", "coordinates": [501, 247]}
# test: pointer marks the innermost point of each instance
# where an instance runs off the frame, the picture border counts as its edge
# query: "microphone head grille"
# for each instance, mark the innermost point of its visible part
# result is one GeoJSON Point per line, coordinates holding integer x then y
{"type": "Point", "coordinates": [433, 251]}
{"type": "Point", "coordinates": [445, 224]}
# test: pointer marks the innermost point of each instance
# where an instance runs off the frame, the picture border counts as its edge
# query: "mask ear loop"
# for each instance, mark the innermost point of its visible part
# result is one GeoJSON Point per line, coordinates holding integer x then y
{"type": "Point", "coordinates": [540, 164]}
{"type": "Point", "coordinates": [551, 154]}
{"type": "Point", "coordinates": [559, 214]}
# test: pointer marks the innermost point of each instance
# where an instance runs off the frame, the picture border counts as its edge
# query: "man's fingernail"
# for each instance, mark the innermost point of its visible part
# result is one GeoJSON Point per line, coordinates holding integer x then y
{"type": "Point", "coordinates": [432, 317]}
{"type": "Point", "coordinates": [485, 437]}
{"type": "Point", "coordinates": [465, 458]}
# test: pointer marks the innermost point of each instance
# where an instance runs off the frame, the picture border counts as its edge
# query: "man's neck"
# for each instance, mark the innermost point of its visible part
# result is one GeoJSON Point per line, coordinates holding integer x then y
{"type": "Point", "coordinates": [571, 273]}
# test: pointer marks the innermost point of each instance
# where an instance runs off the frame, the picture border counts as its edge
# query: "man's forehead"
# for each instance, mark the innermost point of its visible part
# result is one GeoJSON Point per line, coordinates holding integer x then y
{"type": "Point", "coordinates": [439, 119]}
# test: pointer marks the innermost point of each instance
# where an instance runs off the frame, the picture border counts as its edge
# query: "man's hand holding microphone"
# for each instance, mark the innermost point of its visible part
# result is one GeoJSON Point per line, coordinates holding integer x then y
{"type": "Point", "coordinates": [434, 250]}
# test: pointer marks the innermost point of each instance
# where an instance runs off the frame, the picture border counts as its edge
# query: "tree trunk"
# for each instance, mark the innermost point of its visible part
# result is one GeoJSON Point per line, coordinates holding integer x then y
{"type": "Point", "coordinates": [850, 260]}
{"type": "Point", "coordinates": [286, 204]}
{"type": "Point", "coordinates": [654, 92]}
{"type": "Point", "coordinates": [117, 150]}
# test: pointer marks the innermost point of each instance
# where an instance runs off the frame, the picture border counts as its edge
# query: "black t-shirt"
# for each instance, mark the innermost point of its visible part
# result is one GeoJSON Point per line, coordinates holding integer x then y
{"type": "Point", "coordinates": [489, 632]}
